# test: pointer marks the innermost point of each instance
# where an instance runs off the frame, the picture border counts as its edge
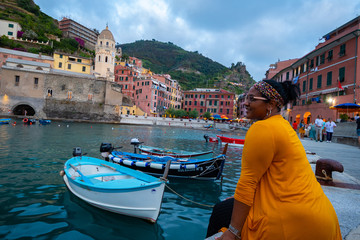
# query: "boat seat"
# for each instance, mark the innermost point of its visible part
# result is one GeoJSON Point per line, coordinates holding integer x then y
{"type": "Point", "coordinates": [127, 183]}
{"type": "Point", "coordinates": [106, 174]}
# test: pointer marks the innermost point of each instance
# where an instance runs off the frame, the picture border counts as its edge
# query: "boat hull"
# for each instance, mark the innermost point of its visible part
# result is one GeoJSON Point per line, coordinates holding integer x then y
{"type": "Point", "coordinates": [120, 195]}
{"type": "Point", "coordinates": [231, 141]}
{"type": "Point", "coordinates": [176, 154]}
{"type": "Point", "coordinates": [210, 169]}
{"type": "Point", "coordinates": [4, 121]}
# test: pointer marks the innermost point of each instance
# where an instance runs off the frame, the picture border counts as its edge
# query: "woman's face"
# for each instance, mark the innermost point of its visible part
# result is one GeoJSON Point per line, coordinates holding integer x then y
{"type": "Point", "coordinates": [255, 108]}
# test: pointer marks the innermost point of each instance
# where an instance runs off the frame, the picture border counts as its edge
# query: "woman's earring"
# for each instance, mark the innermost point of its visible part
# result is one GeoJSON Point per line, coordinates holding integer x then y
{"type": "Point", "coordinates": [268, 113]}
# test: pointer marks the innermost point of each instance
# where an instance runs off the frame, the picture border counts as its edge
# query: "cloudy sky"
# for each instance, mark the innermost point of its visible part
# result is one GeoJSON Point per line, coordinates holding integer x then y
{"type": "Point", "coordinates": [257, 32]}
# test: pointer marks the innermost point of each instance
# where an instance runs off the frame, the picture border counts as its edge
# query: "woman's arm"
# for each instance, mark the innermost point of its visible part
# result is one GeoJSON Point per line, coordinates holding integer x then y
{"type": "Point", "coordinates": [239, 215]}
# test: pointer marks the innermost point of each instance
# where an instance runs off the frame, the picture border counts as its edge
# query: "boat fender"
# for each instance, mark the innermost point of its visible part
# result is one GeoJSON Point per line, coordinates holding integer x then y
{"type": "Point", "coordinates": [157, 166]}
{"type": "Point", "coordinates": [141, 164]}
{"type": "Point", "coordinates": [127, 162]}
{"type": "Point", "coordinates": [175, 166]}
{"type": "Point", "coordinates": [191, 166]}
{"type": "Point", "coordinates": [133, 163]}
{"type": "Point", "coordinates": [25, 120]}
{"type": "Point", "coordinates": [62, 173]}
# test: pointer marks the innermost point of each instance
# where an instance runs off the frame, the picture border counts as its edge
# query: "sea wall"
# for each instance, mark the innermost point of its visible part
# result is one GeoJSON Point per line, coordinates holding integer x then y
{"type": "Point", "coordinates": [345, 132]}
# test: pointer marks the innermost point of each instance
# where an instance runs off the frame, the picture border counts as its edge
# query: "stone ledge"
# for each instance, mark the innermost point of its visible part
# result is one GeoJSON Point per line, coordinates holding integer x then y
{"type": "Point", "coordinates": [348, 140]}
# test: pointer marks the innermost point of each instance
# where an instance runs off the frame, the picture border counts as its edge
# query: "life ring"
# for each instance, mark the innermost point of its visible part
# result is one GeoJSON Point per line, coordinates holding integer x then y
{"type": "Point", "coordinates": [25, 120]}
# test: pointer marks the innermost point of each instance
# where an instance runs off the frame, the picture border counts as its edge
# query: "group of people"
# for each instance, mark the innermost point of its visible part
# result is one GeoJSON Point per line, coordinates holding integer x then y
{"type": "Point", "coordinates": [319, 130]}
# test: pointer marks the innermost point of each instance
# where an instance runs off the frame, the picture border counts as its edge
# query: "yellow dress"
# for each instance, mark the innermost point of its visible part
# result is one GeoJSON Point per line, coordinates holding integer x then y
{"type": "Point", "coordinates": [277, 181]}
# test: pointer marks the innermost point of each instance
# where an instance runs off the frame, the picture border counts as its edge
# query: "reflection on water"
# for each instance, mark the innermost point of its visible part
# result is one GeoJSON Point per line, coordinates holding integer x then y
{"type": "Point", "coordinates": [36, 204]}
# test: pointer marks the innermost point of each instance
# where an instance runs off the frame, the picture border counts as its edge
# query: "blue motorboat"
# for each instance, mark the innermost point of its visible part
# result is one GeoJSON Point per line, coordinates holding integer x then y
{"type": "Point", "coordinates": [44, 121]}
{"type": "Point", "coordinates": [5, 121]}
{"type": "Point", "coordinates": [204, 169]}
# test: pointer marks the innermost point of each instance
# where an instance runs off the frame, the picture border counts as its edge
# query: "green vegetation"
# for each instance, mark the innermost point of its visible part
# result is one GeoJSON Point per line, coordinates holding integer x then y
{"type": "Point", "coordinates": [180, 113]}
{"type": "Point", "coordinates": [207, 115]}
{"type": "Point", "coordinates": [36, 25]}
{"type": "Point", "coordinates": [190, 69]}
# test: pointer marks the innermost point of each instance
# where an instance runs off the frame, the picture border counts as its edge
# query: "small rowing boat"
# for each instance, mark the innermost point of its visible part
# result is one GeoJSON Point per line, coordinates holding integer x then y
{"type": "Point", "coordinates": [231, 141]}
{"type": "Point", "coordinates": [114, 188]}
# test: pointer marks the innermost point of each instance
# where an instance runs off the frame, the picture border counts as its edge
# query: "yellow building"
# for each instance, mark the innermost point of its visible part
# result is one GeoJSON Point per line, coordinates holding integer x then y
{"type": "Point", "coordinates": [71, 63]}
{"type": "Point", "coordinates": [130, 110]}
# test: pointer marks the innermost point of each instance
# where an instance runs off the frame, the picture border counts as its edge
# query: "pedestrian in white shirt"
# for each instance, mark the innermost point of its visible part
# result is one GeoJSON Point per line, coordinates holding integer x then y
{"type": "Point", "coordinates": [329, 125]}
{"type": "Point", "coordinates": [318, 127]}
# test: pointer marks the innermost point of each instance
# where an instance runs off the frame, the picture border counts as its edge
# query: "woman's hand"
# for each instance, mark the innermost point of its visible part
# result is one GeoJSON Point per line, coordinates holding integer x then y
{"type": "Point", "coordinates": [227, 235]}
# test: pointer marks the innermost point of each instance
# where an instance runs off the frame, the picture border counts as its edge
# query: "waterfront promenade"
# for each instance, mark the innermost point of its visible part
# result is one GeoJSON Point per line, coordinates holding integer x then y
{"type": "Point", "coordinates": [345, 201]}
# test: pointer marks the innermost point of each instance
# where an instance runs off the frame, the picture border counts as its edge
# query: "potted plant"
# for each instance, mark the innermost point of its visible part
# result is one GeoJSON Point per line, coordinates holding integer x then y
{"type": "Point", "coordinates": [344, 117]}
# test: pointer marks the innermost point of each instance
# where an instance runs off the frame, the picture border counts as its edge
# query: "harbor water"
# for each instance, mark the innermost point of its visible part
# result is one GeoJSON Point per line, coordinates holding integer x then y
{"type": "Point", "coordinates": [35, 203]}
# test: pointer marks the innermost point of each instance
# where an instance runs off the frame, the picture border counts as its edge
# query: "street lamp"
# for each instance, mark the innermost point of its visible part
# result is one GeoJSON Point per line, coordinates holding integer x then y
{"type": "Point", "coordinates": [331, 100]}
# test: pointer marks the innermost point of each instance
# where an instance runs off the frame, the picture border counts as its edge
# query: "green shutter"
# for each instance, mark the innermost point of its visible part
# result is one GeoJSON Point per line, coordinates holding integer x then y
{"type": "Point", "coordinates": [342, 74]}
{"type": "Point", "coordinates": [329, 79]}
{"type": "Point", "coordinates": [319, 81]}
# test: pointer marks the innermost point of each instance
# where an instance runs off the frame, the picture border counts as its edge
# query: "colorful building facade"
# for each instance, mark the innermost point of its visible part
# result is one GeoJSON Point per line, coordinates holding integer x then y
{"type": "Point", "coordinates": [9, 28]}
{"type": "Point", "coordinates": [72, 63]}
{"type": "Point", "coordinates": [152, 93]}
{"type": "Point", "coordinates": [214, 101]}
{"type": "Point", "coordinates": [328, 75]}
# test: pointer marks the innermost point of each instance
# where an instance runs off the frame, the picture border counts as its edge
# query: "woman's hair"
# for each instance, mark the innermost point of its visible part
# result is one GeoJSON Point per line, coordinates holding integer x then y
{"type": "Point", "coordinates": [288, 91]}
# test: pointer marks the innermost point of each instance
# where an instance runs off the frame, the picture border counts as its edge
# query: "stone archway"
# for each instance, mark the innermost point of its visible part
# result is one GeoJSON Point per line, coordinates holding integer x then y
{"type": "Point", "coordinates": [307, 117]}
{"type": "Point", "coordinates": [21, 109]}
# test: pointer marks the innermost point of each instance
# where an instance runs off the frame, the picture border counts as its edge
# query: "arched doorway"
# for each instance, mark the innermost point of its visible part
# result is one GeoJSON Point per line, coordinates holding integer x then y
{"type": "Point", "coordinates": [307, 117]}
{"type": "Point", "coordinates": [23, 109]}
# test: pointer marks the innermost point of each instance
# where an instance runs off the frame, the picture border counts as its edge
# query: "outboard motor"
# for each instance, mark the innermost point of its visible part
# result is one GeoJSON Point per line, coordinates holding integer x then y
{"type": "Point", "coordinates": [105, 150]}
{"type": "Point", "coordinates": [77, 151]}
{"type": "Point", "coordinates": [206, 137]}
{"type": "Point", "coordinates": [136, 143]}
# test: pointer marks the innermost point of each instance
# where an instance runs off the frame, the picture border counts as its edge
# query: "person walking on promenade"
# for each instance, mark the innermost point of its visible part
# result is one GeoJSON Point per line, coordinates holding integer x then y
{"type": "Point", "coordinates": [329, 126]}
{"type": "Point", "coordinates": [277, 195]}
{"type": "Point", "coordinates": [295, 125]}
{"type": "Point", "coordinates": [302, 129]}
{"type": "Point", "coordinates": [312, 131]}
{"type": "Point", "coordinates": [356, 117]}
{"type": "Point", "coordinates": [318, 127]}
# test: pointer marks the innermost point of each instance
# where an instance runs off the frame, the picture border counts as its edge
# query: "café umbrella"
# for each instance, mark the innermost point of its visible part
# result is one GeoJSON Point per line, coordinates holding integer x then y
{"type": "Point", "coordinates": [216, 116]}
{"type": "Point", "coordinates": [347, 107]}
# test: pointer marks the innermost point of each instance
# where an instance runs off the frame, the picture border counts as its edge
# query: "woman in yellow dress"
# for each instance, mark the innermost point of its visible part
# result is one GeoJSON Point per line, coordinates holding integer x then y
{"type": "Point", "coordinates": [277, 196]}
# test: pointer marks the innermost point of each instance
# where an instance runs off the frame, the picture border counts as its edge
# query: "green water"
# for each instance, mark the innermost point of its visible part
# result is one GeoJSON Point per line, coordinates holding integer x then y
{"type": "Point", "coordinates": [35, 203]}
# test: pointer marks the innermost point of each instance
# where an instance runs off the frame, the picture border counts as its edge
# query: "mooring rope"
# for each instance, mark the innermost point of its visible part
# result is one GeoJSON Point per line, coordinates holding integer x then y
{"type": "Point", "coordinates": [187, 199]}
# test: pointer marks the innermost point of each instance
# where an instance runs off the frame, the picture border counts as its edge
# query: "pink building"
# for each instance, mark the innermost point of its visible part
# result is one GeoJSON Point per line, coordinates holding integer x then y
{"type": "Point", "coordinates": [328, 75]}
{"type": "Point", "coordinates": [152, 93]}
{"type": "Point", "coordinates": [9, 53]}
{"type": "Point", "coordinates": [214, 101]}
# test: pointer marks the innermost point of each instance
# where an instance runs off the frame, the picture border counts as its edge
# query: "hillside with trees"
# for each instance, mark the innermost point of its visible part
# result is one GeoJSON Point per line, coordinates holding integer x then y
{"type": "Point", "coordinates": [36, 26]}
{"type": "Point", "coordinates": [191, 69]}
